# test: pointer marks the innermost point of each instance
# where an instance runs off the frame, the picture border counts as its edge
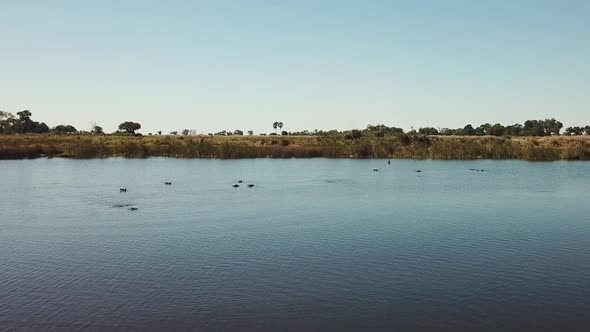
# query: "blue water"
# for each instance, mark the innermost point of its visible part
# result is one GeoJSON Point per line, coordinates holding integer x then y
{"type": "Point", "coordinates": [316, 245]}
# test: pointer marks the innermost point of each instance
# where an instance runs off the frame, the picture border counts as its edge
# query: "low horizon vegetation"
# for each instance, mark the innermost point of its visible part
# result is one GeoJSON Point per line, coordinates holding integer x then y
{"type": "Point", "coordinates": [21, 137]}
{"type": "Point", "coordinates": [23, 124]}
{"type": "Point", "coordinates": [404, 146]}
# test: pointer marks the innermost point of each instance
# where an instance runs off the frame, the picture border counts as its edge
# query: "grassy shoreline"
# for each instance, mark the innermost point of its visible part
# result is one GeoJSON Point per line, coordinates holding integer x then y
{"type": "Point", "coordinates": [404, 146]}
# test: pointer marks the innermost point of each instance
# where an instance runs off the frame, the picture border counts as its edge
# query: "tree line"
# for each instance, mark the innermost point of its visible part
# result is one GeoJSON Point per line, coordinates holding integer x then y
{"type": "Point", "coordinates": [22, 123]}
{"type": "Point", "coordinates": [547, 127]}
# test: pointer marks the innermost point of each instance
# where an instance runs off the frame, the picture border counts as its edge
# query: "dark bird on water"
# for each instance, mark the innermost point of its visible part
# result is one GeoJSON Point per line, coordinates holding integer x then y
{"type": "Point", "coordinates": [250, 185]}
{"type": "Point", "coordinates": [389, 162]}
{"type": "Point", "coordinates": [123, 190]}
{"type": "Point", "coordinates": [418, 171]}
{"type": "Point", "coordinates": [132, 209]}
{"type": "Point", "coordinates": [240, 181]}
{"type": "Point", "coordinates": [168, 183]}
{"type": "Point", "coordinates": [375, 170]}
{"type": "Point", "coordinates": [236, 185]}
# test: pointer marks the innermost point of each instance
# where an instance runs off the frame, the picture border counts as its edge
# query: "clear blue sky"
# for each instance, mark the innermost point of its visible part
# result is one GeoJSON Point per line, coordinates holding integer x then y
{"type": "Point", "coordinates": [214, 65]}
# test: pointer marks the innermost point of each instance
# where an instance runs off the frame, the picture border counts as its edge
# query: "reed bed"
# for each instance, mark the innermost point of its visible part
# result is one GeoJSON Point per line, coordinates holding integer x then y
{"type": "Point", "coordinates": [335, 146]}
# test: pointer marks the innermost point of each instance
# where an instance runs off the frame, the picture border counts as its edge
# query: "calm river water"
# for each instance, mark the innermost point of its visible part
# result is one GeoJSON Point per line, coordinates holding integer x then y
{"type": "Point", "coordinates": [315, 245]}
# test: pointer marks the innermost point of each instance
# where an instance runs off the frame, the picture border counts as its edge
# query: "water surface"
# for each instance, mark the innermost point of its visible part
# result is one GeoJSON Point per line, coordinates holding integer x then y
{"type": "Point", "coordinates": [317, 245]}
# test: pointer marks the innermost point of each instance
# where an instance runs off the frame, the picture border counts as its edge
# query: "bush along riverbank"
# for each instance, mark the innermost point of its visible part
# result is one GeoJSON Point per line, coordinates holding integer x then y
{"type": "Point", "coordinates": [330, 146]}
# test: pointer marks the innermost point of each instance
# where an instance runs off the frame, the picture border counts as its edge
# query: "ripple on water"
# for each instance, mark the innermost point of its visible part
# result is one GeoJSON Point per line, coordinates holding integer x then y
{"type": "Point", "coordinates": [445, 250]}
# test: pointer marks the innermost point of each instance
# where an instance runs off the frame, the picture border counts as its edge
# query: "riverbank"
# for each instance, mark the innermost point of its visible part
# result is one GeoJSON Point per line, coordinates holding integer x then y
{"type": "Point", "coordinates": [234, 147]}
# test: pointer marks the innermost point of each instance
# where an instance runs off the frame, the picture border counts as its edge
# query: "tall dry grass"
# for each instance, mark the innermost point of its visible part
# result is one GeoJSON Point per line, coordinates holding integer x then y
{"type": "Point", "coordinates": [233, 147]}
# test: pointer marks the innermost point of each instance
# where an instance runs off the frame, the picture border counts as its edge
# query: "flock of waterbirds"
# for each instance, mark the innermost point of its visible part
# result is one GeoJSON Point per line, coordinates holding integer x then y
{"type": "Point", "coordinates": [168, 183]}
{"type": "Point", "coordinates": [420, 171]}
{"type": "Point", "coordinates": [128, 206]}
{"type": "Point", "coordinates": [124, 190]}
{"type": "Point", "coordinates": [250, 185]}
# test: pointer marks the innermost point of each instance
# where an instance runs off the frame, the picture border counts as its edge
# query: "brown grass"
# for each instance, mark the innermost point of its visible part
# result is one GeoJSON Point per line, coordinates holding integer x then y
{"type": "Point", "coordinates": [232, 147]}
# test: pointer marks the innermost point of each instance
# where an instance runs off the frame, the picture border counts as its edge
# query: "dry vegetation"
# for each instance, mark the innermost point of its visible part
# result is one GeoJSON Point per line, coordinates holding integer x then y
{"type": "Point", "coordinates": [335, 146]}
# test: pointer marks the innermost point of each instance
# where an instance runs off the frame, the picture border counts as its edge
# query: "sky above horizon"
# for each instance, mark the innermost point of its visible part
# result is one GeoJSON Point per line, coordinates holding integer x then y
{"type": "Point", "coordinates": [225, 65]}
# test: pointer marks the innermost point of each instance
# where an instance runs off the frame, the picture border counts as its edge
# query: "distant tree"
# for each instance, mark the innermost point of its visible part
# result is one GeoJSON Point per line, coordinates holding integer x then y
{"type": "Point", "coordinates": [428, 131]}
{"type": "Point", "coordinates": [534, 128]}
{"type": "Point", "coordinates": [448, 131]}
{"type": "Point", "coordinates": [97, 130]}
{"type": "Point", "coordinates": [24, 124]}
{"type": "Point", "coordinates": [515, 129]}
{"type": "Point", "coordinates": [587, 130]}
{"type": "Point", "coordinates": [496, 130]}
{"type": "Point", "coordinates": [468, 130]}
{"type": "Point", "coordinates": [354, 134]}
{"type": "Point", "coordinates": [5, 115]}
{"type": "Point", "coordinates": [185, 132]}
{"type": "Point", "coordinates": [275, 125]}
{"type": "Point", "coordinates": [280, 125]}
{"type": "Point", "coordinates": [7, 122]}
{"type": "Point", "coordinates": [238, 132]}
{"type": "Point", "coordinates": [284, 133]}
{"type": "Point", "coordinates": [23, 115]}
{"type": "Point", "coordinates": [40, 128]}
{"type": "Point", "coordinates": [382, 130]}
{"type": "Point", "coordinates": [159, 132]}
{"type": "Point", "coordinates": [64, 129]}
{"type": "Point", "coordinates": [174, 133]}
{"type": "Point", "coordinates": [574, 131]}
{"type": "Point", "coordinates": [129, 126]}
{"type": "Point", "coordinates": [250, 132]}
{"type": "Point", "coordinates": [552, 126]}
{"type": "Point", "coordinates": [483, 129]}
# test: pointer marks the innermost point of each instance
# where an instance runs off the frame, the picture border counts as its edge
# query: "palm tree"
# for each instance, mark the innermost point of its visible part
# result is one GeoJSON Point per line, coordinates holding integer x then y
{"type": "Point", "coordinates": [275, 126]}
{"type": "Point", "coordinates": [280, 125]}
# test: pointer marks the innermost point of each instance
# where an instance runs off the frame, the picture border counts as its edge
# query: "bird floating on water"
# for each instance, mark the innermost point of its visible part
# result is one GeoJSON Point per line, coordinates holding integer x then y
{"type": "Point", "coordinates": [236, 185]}
{"type": "Point", "coordinates": [250, 185]}
{"type": "Point", "coordinates": [168, 183]}
{"type": "Point", "coordinates": [132, 209]}
{"type": "Point", "coordinates": [240, 181]}
{"type": "Point", "coordinates": [123, 190]}
{"type": "Point", "coordinates": [375, 170]}
{"type": "Point", "coordinates": [418, 171]}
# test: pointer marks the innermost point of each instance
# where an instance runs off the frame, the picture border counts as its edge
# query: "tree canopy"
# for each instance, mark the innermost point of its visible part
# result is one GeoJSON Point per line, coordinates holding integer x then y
{"type": "Point", "coordinates": [64, 129]}
{"type": "Point", "coordinates": [22, 124]}
{"type": "Point", "coordinates": [129, 127]}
